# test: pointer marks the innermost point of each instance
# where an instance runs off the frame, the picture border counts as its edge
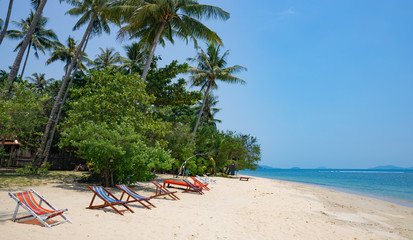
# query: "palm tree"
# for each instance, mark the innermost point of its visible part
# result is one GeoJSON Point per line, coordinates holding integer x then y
{"type": "Point", "coordinates": [41, 39]}
{"type": "Point", "coordinates": [30, 31]}
{"type": "Point", "coordinates": [135, 58]}
{"type": "Point", "coordinates": [154, 20]}
{"type": "Point", "coordinates": [212, 67]}
{"type": "Point", "coordinates": [209, 111]}
{"type": "Point", "coordinates": [66, 55]}
{"type": "Point", "coordinates": [108, 58]}
{"type": "Point", "coordinates": [6, 23]}
{"type": "Point", "coordinates": [94, 13]}
{"type": "Point", "coordinates": [39, 81]}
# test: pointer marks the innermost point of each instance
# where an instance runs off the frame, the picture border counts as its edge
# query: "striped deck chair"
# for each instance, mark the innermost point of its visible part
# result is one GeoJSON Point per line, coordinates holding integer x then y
{"type": "Point", "coordinates": [160, 191]}
{"type": "Point", "coordinates": [193, 188]}
{"type": "Point", "coordinates": [199, 183]}
{"type": "Point", "coordinates": [108, 198]}
{"type": "Point", "coordinates": [28, 202]}
{"type": "Point", "coordinates": [135, 197]}
{"type": "Point", "coordinates": [203, 180]}
{"type": "Point", "coordinates": [210, 180]}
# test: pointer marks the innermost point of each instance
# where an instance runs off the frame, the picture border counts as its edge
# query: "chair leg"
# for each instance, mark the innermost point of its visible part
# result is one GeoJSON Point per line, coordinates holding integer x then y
{"type": "Point", "coordinates": [93, 199]}
{"type": "Point", "coordinates": [15, 213]}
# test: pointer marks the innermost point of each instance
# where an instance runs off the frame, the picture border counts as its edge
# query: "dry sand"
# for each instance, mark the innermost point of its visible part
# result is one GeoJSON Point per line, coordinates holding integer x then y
{"type": "Point", "coordinates": [255, 209]}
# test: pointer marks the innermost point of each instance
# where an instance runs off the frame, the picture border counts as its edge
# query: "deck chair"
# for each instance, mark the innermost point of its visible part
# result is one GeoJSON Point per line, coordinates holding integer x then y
{"type": "Point", "coordinates": [108, 198]}
{"type": "Point", "coordinates": [210, 180]}
{"type": "Point", "coordinates": [135, 197]}
{"type": "Point", "coordinates": [28, 202]}
{"type": "Point", "coordinates": [199, 183]}
{"type": "Point", "coordinates": [203, 180]}
{"type": "Point", "coordinates": [160, 191]}
{"type": "Point", "coordinates": [193, 188]}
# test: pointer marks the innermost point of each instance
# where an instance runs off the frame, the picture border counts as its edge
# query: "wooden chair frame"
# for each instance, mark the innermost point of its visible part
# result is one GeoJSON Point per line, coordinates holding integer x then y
{"type": "Point", "coordinates": [161, 191]}
{"type": "Point", "coordinates": [193, 188]}
{"type": "Point", "coordinates": [197, 182]}
{"type": "Point", "coordinates": [112, 201]}
{"type": "Point", "coordinates": [127, 191]}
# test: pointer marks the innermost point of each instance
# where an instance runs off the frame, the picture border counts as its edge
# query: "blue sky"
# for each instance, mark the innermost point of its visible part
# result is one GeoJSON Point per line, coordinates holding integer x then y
{"type": "Point", "coordinates": [329, 83]}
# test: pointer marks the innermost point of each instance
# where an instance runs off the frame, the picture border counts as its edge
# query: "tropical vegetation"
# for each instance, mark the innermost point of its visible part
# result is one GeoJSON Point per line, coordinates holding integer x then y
{"type": "Point", "coordinates": [124, 117]}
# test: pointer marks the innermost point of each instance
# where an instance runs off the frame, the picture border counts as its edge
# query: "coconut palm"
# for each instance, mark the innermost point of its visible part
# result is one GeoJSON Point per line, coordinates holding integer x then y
{"type": "Point", "coordinates": [153, 21]}
{"type": "Point", "coordinates": [209, 111]}
{"type": "Point", "coordinates": [3, 29]}
{"type": "Point", "coordinates": [66, 55]}
{"type": "Point", "coordinates": [30, 31]}
{"type": "Point", "coordinates": [94, 13]}
{"type": "Point", "coordinates": [136, 58]}
{"type": "Point", "coordinates": [211, 68]}
{"type": "Point", "coordinates": [41, 39]}
{"type": "Point", "coordinates": [39, 81]}
{"type": "Point", "coordinates": [108, 58]}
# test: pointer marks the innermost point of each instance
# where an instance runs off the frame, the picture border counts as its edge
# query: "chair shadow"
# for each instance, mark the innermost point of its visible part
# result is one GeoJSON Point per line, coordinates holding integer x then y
{"type": "Point", "coordinates": [36, 222]}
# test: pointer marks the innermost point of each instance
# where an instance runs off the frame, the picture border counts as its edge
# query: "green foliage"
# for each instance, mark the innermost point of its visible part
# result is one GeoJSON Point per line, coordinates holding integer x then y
{"type": "Point", "coordinates": [32, 170]}
{"type": "Point", "coordinates": [116, 152]}
{"type": "Point", "coordinates": [22, 114]}
{"type": "Point", "coordinates": [224, 148]}
{"type": "Point", "coordinates": [110, 124]}
{"type": "Point", "coordinates": [113, 98]}
{"type": "Point", "coordinates": [166, 92]}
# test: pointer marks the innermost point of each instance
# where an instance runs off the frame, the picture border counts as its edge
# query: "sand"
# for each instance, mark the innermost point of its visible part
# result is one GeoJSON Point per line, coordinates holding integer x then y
{"type": "Point", "coordinates": [232, 209]}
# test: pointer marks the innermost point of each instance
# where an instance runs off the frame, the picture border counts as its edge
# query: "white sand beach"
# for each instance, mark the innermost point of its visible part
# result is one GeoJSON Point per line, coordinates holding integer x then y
{"type": "Point", "coordinates": [232, 209]}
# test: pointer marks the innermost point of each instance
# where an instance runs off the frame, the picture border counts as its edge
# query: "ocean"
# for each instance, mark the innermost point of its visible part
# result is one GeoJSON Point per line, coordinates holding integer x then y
{"type": "Point", "coordinates": [390, 185]}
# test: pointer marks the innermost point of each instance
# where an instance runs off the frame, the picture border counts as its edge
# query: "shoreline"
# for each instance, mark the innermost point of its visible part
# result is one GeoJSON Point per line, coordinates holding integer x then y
{"type": "Point", "coordinates": [259, 208]}
{"type": "Point", "coordinates": [400, 202]}
{"type": "Point", "coordinates": [395, 192]}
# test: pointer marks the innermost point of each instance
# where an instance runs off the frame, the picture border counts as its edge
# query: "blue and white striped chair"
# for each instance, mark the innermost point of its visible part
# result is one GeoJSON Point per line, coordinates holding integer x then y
{"type": "Point", "coordinates": [135, 196]}
{"type": "Point", "coordinates": [108, 198]}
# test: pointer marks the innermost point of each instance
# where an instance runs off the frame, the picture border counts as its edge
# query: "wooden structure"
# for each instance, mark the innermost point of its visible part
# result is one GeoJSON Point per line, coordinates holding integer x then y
{"type": "Point", "coordinates": [127, 191]}
{"type": "Point", "coordinates": [108, 198]}
{"type": "Point", "coordinates": [244, 178]}
{"type": "Point", "coordinates": [162, 191]}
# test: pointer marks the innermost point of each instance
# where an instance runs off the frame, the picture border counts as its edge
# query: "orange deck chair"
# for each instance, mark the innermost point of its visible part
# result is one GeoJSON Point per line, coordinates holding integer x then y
{"type": "Point", "coordinates": [135, 197]}
{"type": "Point", "coordinates": [199, 183]}
{"type": "Point", "coordinates": [108, 198]}
{"type": "Point", "coordinates": [160, 191]}
{"type": "Point", "coordinates": [28, 202]}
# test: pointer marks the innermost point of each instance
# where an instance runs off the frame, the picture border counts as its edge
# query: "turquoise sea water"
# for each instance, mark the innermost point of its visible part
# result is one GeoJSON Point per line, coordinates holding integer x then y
{"type": "Point", "coordinates": [391, 185]}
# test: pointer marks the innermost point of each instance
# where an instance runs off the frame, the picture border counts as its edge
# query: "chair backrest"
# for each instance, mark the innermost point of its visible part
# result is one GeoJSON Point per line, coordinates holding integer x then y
{"type": "Point", "coordinates": [28, 200]}
{"type": "Point", "coordinates": [202, 179]}
{"type": "Point", "coordinates": [191, 185]}
{"type": "Point", "coordinates": [156, 183]}
{"type": "Point", "coordinates": [160, 187]}
{"type": "Point", "coordinates": [123, 187]}
{"type": "Point", "coordinates": [197, 181]}
{"type": "Point", "coordinates": [103, 193]}
{"type": "Point", "coordinates": [130, 191]}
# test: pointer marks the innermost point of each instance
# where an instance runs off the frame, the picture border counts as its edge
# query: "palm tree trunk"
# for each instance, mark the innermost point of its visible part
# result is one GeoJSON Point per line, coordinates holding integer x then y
{"type": "Point", "coordinates": [27, 56]}
{"type": "Point", "coordinates": [152, 51]}
{"type": "Point", "coordinates": [40, 153]}
{"type": "Point", "coordinates": [50, 140]}
{"type": "Point", "coordinates": [6, 23]}
{"type": "Point", "coordinates": [27, 38]}
{"type": "Point", "coordinates": [201, 111]}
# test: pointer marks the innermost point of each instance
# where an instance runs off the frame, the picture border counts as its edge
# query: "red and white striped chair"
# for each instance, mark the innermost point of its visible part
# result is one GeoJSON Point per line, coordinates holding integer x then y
{"type": "Point", "coordinates": [29, 203]}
